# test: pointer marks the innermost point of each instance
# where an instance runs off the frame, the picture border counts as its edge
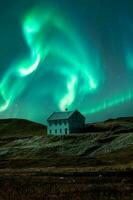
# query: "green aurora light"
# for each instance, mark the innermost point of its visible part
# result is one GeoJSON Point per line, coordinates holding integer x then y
{"type": "Point", "coordinates": [35, 28]}
{"type": "Point", "coordinates": [75, 75]}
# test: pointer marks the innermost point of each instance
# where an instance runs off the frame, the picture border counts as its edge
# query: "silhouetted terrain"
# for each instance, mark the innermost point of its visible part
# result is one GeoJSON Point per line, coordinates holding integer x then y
{"type": "Point", "coordinates": [96, 164]}
{"type": "Point", "coordinates": [25, 144]}
{"type": "Point", "coordinates": [20, 127]}
{"type": "Point", "coordinates": [119, 125]}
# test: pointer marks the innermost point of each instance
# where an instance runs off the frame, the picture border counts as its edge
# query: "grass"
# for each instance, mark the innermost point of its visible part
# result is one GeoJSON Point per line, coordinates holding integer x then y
{"type": "Point", "coordinates": [88, 150]}
{"type": "Point", "coordinates": [20, 128]}
{"type": "Point", "coordinates": [65, 188]}
{"type": "Point", "coordinates": [86, 166]}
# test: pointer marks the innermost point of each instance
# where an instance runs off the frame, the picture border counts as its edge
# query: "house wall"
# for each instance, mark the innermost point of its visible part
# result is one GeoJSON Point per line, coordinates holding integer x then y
{"type": "Point", "coordinates": [76, 123]}
{"type": "Point", "coordinates": [58, 127]}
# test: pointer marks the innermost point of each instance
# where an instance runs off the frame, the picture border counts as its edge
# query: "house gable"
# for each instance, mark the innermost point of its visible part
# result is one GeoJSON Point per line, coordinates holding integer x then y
{"type": "Point", "coordinates": [76, 122]}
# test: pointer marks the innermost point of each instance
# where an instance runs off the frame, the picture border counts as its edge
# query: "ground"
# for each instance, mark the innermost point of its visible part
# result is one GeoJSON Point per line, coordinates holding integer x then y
{"type": "Point", "coordinates": [96, 164]}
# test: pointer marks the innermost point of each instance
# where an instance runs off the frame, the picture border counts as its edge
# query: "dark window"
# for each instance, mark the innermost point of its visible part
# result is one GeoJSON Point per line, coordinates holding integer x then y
{"type": "Point", "coordinates": [55, 130]}
{"type": "Point", "coordinates": [65, 130]}
{"type": "Point", "coordinates": [50, 123]}
{"type": "Point", "coordinates": [50, 131]}
{"type": "Point", "coordinates": [60, 130]}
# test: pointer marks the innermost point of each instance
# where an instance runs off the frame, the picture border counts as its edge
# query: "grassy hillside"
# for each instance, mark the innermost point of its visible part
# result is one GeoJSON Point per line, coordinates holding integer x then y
{"type": "Point", "coordinates": [94, 165]}
{"type": "Point", "coordinates": [25, 144]}
{"type": "Point", "coordinates": [20, 127]}
{"type": "Point", "coordinates": [119, 125]}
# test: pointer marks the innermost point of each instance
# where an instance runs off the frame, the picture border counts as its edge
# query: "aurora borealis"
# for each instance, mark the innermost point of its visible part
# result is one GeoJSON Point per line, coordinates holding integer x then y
{"type": "Point", "coordinates": [61, 54]}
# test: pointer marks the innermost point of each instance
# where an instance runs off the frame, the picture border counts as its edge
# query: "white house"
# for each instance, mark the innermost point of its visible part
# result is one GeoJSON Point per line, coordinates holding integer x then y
{"type": "Point", "coordinates": [61, 123]}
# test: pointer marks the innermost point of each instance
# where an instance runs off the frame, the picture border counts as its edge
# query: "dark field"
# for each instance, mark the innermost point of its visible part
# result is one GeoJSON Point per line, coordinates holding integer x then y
{"type": "Point", "coordinates": [94, 165]}
{"type": "Point", "coordinates": [70, 186]}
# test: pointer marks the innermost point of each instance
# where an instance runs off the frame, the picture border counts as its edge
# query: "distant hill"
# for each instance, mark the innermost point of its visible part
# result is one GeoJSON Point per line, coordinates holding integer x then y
{"type": "Point", "coordinates": [119, 125]}
{"type": "Point", "coordinates": [20, 127]}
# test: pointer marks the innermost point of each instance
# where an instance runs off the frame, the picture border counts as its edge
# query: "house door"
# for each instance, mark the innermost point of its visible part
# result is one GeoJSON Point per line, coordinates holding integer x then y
{"type": "Point", "coordinates": [65, 130]}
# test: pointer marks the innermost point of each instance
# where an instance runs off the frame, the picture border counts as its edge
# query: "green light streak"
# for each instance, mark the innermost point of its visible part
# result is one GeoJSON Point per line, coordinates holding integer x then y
{"type": "Point", "coordinates": [26, 71]}
{"type": "Point", "coordinates": [111, 103]}
{"type": "Point", "coordinates": [40, 30]}
{"type": "Point", "coordinates": [92, 83]}
{"type": "Point", "coordinates": [69, 97]}
{"type": "Point", "coordinates": [36, 26]}
{"type": "Point", "coordinates": [4, 106]}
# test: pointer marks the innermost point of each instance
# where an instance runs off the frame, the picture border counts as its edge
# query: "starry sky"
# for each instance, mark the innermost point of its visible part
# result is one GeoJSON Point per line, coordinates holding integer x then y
{"type": "Point", "coordinates": [58, 54]}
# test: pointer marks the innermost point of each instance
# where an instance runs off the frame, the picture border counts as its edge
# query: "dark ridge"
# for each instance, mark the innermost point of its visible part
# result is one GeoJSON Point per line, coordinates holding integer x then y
{"type": "Point", "coordinates": [121, 124]}
{"type": "Point", "coordinates": [20, 127]}
{"type": "Point", "coordinates": [129, 119]}
{"type": "Point", "coordinates": [18, 120]}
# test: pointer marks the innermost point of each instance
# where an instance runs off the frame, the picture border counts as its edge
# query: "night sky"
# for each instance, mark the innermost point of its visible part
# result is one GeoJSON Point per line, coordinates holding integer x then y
{"type": "Point", "coordinates": [57, 54]}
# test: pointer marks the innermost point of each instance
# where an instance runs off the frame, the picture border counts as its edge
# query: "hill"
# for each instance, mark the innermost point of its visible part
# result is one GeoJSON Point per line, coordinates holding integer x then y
{"type": "Point", "coordinates": [20, 127]}
{"type": "Point", "coordinates": [105, 144]}
{"type": "Point", "coordinates": [96, 164]}
{"type": "Point", "coordinates": [119, 125]}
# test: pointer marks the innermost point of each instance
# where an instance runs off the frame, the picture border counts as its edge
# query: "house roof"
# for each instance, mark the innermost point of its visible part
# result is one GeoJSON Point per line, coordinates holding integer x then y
{"type": "Point", "coordinates": [60, 115]}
